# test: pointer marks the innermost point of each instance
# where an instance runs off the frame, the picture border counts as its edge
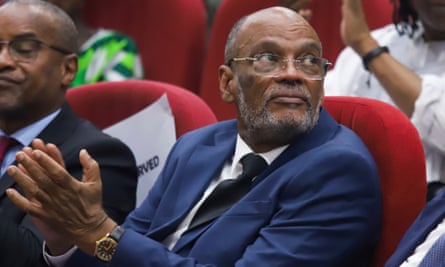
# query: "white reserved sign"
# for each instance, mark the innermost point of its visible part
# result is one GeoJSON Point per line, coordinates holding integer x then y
{"type": "Point", "coordinates": [150, 134]}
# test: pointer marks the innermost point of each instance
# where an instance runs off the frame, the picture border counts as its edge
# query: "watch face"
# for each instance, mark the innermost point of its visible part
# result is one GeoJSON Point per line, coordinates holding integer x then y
{"type": "Point", "coordinates": [105, 249]}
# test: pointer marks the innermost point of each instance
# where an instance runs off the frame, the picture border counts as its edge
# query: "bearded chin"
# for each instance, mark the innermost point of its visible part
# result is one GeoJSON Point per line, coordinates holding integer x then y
{"type": "Point", "coordinates": [262, 125]}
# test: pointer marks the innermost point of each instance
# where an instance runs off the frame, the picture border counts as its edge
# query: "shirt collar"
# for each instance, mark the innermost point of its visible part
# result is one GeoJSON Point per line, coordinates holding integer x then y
{"type": "Point", "coordinates": [241, 149]}
{"type": "Point", "coordinates": [25, 135]}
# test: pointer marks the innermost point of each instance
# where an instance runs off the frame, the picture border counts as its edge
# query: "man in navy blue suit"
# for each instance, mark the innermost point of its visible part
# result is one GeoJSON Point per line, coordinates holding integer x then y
{"type": "Point", "coordinates": [317, 203]}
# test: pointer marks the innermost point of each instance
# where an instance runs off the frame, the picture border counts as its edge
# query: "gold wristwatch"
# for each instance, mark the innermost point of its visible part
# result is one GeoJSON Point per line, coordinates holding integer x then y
{"type": "Point", "coordinates": [106, 246]}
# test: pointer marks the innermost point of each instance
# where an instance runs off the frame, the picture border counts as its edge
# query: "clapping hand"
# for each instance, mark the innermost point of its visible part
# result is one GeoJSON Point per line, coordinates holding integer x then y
{"type": "Point", "coordinates": [66, 210]}
{"type": "Point", "coordinates": [299, 6]}
{"type": "Point", "coordinates": [354, 29]}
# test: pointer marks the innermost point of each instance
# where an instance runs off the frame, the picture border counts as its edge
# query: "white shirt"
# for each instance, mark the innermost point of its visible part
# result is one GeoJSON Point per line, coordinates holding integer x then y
{"type": "Point", "coordinates": [426, 59]}
{"type": "Point", "coordinates": [421, 250]}
{"type": "Point", "coordinates": [230, 170]}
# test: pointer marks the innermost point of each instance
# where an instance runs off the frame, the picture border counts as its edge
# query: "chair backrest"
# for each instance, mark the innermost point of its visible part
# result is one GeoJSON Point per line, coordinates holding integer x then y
{"type": "Point", "coordinates": [326, 21]}
{"type": "Point", "coordinates": [106, 103]}
{"type": "Point", "coordinates": [397, 149]}
{"type": "Point", "coordinates": [170, 35]}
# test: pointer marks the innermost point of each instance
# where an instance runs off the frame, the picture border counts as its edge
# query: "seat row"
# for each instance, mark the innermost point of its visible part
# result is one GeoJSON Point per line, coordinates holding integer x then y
{"type": "Point", "coordinates": [171, 36]}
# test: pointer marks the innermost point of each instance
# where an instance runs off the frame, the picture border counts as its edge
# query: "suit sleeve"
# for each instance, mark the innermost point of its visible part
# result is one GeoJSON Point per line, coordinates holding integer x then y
{"type": "Point", "coordinates": [13, 242]}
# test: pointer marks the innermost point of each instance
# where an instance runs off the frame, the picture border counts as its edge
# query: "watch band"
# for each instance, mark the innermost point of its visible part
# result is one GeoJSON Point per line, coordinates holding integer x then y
{"type": "Point", "coordinates": [117, 233]}
{"type": "Point", "coordinates": [373, 54]}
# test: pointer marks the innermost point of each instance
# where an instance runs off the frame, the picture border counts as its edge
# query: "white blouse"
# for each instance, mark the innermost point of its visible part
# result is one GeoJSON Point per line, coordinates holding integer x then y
{"type": "Point", "coordinates": [426, 59]}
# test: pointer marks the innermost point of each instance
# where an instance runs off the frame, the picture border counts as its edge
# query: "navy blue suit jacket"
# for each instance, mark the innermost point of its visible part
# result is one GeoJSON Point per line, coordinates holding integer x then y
{"type": "Point", "coordinates": [317, 204]}
{"type": "Point", "coordinates": [20, 241]}
{"type": "Point", "coordinates": [432, 214]}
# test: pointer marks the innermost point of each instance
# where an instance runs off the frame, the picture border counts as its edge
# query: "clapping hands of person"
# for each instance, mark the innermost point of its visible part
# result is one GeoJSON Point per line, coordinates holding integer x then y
{"type": "Point", "coordinates": [67, 211]}
{"type": "Point", "coordinates": [299, 6]}
{"type": "Point", "coordinates": [354, 30]}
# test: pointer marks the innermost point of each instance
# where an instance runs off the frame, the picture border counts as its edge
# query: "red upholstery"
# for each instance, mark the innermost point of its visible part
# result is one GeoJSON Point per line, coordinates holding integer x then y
{"type": "Point", "coordinates": [398, 152]}
{"type": "Point", "coordinates": [170, 35]}
{"type": "Point", "coordinates": [326, 21]}
{"type": "Point", "coordinates": [106, 103]}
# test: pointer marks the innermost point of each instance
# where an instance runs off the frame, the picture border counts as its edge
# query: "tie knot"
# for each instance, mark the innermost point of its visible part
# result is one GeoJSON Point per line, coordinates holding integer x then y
{"type": "Point", "coordinates": [252, 165]}
{"type": "Point", "coordinates": [6, 143]}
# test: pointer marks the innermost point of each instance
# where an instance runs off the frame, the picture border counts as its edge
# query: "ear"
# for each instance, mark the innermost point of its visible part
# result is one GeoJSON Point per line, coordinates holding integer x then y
{"type": "Point", "coordinates": [69, 69]}
{"type": "Point", "coordinates": [226, 84]}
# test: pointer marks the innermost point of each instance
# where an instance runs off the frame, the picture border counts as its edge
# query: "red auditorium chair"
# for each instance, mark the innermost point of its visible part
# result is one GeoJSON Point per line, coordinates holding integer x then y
{"type": "Point", "coordinates": [170, 35]}
{"type": "Point", "coordinates": [106, 103]}
{"type": "Point", "coordinates": [326, 21]}
{"type": "Point", "coordinates": [398, 152]}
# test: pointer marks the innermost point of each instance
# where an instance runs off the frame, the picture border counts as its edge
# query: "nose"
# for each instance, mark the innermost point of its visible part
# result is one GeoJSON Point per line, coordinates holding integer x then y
{"type": "Point", "coordinates": [5, 57]}
{"type": "Point", "coordinates": [289, 71]}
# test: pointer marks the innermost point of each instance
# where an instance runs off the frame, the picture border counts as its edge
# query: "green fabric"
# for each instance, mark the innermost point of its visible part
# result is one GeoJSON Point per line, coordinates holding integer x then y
{"type": "Point", "coordinates": [108, 56]}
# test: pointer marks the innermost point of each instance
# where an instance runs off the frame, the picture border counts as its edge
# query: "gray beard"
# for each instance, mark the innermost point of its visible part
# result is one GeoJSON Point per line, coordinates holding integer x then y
{"type": "Point", "coordinates": [262, 125]}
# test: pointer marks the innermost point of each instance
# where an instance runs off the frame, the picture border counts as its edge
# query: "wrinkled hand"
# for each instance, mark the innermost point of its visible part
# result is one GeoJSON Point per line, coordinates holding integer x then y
{"type": "Point", "coordinates": [66, 210]}
{"type": "Point", "coordinates": [354, 29]}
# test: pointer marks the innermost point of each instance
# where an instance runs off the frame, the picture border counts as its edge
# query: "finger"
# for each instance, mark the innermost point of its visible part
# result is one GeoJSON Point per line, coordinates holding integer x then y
{"type": "Point", "coordinates": [27, 150]}
{"type": "Point", "coordinates": [30, 188]}
{"type": "Point", "coordinates": [91, 171]}
{"type": "Point", "coordinates": [38, 143]}
{"type": "Point", "coordinates": [55, 154]}
{"type": "Point", "coordinates": [33, 208]}
{"type": "Point", "coordinates": [55, 172]}
{"type": "Point", "coordinates": [306, 13]}
{"type": "Point", "coordinates": [49, 149]}
{"type": "Point", "coordinates": [20, 201]}
{"type": "Point", "coordinates": [33, 170]}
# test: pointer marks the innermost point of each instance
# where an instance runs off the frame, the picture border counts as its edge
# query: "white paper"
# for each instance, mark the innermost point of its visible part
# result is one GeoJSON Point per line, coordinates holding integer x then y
{"type": "Point", "coordinates": [150, 134]}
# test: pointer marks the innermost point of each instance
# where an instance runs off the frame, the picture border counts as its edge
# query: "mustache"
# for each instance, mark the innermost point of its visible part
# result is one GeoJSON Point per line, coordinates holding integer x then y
{"type": "Point", "coordinates": [290, 90]}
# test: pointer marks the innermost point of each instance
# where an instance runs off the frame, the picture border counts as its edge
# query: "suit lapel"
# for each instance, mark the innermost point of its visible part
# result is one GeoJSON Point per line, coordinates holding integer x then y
{"type": "Point", "coordinates": [202, 165]}
{"type": "Point", "coordinates": [56, 132]}
{"type": "Point", "coordinates": [61, 127]}
{"type": "Point", "coordinates": [187, 239]}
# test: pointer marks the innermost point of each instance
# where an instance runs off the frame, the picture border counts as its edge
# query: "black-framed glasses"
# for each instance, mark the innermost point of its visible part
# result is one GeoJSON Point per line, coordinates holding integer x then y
{"type": "Point", "coordinates": [26, 50]}
{"type": "Point", "coordinates": [267, 64]}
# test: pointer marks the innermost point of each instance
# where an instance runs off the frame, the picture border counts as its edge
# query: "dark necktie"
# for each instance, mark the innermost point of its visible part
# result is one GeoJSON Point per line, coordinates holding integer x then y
{"type": "Point", "coordinates": [6, 143]}
{"type": "Point", "coordinates": [435, 257]}
{"type": "Point", "coordinates": [229, 191]}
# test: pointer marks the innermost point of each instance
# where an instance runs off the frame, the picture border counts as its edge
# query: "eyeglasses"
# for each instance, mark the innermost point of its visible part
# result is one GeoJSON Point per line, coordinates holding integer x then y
{"type": "Point", "coordinates": [267, 64]}
{"type": "Point", "coordinates": [26, 50]}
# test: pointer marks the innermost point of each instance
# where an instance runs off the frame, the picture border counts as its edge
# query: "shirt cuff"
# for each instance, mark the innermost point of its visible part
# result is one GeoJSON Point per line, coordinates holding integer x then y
{"type": "Point", "coordinates": [57, 261]}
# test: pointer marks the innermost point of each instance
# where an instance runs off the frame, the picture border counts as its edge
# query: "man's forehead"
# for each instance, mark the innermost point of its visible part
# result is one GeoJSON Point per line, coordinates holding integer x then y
{"type": "Point", "coordinates": [26, 18]}
{"type": "Point", "coordinates": [276, 19]}
{"type": "Point", "coordinates": [277, 31]}
{"type": "Point", "coordinates": [277, 15]}
{"type": "Point", "coordinates": [25, 10]}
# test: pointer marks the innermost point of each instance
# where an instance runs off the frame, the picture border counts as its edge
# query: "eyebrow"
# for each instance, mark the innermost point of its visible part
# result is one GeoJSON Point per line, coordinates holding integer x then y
{"type": "Point", "coordinates": [27, 35]}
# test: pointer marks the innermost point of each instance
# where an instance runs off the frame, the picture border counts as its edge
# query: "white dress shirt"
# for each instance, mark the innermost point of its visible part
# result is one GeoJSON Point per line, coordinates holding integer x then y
{"type": "Point", "coordinates": [421, 250]}
{"type": "Point", "coordinates": [427, 59]}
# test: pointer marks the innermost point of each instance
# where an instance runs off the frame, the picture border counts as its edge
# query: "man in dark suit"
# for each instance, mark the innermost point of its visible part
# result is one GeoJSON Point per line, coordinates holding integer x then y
{"type": "Point", "coordinates": [315, 203]}
{"type": "Point", "coordinates": [38, 60]}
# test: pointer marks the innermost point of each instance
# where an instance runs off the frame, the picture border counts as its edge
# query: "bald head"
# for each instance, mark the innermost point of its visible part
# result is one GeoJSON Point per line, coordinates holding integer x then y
{"type": "Point", "coordinates": [258, 23]}
{"type": "Point", "coordinates": [59, 23]}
